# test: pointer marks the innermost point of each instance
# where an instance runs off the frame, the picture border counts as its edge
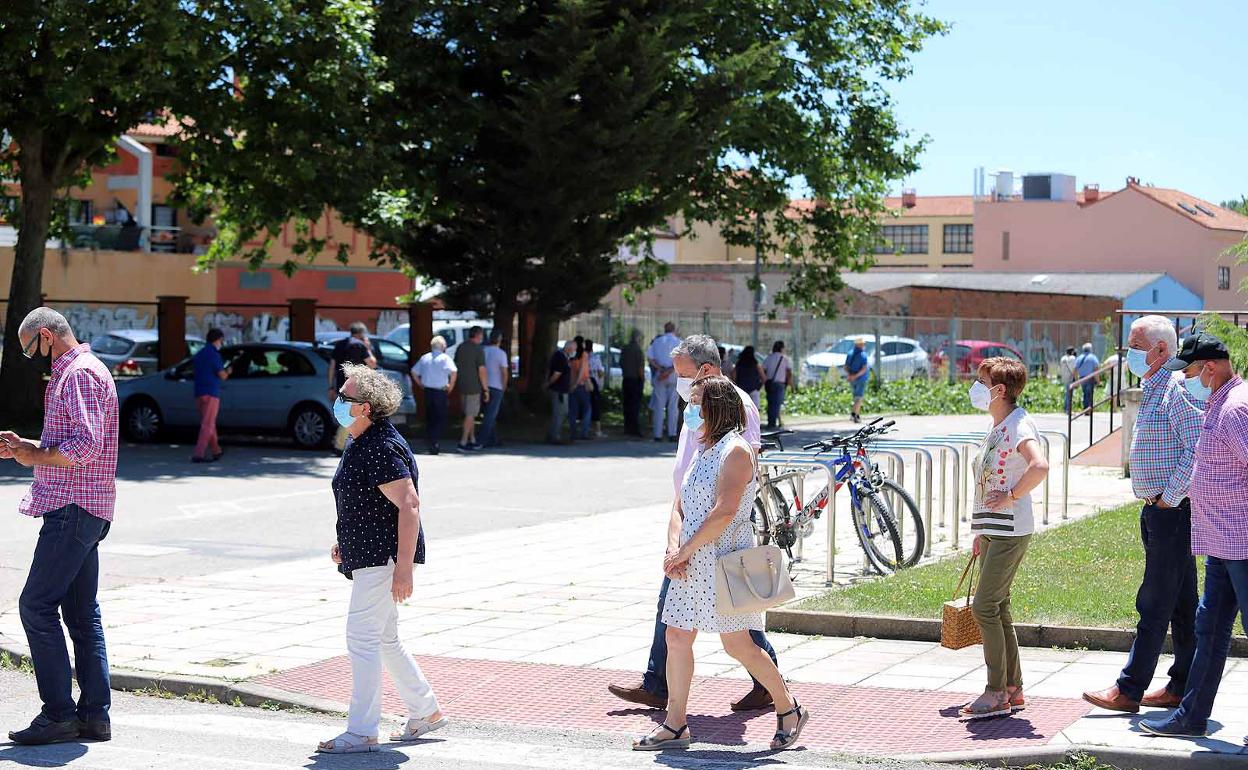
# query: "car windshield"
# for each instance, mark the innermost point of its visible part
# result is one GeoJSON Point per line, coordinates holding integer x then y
{"type": "Point", "coordinates": [845, 346]}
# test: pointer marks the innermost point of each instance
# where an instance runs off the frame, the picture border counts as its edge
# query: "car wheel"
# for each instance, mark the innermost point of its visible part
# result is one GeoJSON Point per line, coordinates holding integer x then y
{"type": "Point", "coordinates": [141, 420]}
{"type": "Point", "coordinates": [310, 427]}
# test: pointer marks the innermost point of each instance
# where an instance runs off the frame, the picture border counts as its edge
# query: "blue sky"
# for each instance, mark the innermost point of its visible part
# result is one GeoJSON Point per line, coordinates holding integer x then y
{"type": "Point", "coordinates": [1102, 89]}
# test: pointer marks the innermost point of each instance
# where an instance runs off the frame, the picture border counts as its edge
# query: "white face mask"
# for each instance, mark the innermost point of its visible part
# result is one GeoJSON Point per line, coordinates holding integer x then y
{"type": "Point", "coordinates": [684, 388]}
{"type": "Point", "coordinates": [981, 396]}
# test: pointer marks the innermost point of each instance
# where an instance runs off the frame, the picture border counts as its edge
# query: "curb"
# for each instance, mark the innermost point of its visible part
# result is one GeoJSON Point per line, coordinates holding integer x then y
{"type": "Point", "coordinates": [924, 630]}
{"type": "Point", "coordinates": [1123, 759]}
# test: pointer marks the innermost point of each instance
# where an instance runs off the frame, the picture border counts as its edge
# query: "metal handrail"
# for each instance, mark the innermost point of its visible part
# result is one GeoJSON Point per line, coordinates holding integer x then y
{"type": "Point", "coordinates": [1090, 411]}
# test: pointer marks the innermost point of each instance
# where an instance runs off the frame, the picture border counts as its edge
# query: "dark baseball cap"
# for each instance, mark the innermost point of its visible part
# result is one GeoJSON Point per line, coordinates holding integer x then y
{"type": "Point", "coordinates": [1200, 346]}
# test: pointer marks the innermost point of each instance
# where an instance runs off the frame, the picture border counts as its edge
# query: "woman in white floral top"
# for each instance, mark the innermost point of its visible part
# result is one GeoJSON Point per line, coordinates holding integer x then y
{"type": "Point", "coordinates": [1009, 465]}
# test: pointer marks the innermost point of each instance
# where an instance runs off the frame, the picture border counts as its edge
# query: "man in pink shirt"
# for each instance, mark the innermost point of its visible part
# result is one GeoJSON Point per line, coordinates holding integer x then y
{"type": "Point", "coordinates": [74, 492]}
{"type": "Point", "coordinates": [696, 358]}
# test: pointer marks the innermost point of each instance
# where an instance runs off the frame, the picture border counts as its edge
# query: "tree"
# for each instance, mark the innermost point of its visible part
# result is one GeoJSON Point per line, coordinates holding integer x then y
{"type": "Point", "coordinates": [524, 142]}
{"type": "Point", "coordinates": [1240, 206]}
{"type": "Point", "coordinates": [75, 75]}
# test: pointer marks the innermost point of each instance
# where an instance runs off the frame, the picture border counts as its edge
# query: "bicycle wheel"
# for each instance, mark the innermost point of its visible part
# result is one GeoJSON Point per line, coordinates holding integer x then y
{"type": "Point", "coordinates": [909, 523]}
{"type": "Point", "coordinates": [876, 531]}
{"type": "Point", "coordinates": [759, 518]}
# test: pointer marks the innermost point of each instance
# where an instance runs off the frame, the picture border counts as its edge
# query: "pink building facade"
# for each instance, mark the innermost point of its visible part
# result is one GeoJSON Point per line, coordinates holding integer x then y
{"type": "Point", "coordinates": [1136, 229]}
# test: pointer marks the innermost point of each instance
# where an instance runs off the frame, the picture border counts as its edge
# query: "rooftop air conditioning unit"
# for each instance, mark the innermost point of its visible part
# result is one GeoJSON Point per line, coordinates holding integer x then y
{"type": "Point", "coordinates": [1048, 187]}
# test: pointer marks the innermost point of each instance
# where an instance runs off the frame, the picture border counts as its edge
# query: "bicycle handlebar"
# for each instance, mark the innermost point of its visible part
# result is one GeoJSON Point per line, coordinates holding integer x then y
{"type": "Point", "coordinates": [861, 436]}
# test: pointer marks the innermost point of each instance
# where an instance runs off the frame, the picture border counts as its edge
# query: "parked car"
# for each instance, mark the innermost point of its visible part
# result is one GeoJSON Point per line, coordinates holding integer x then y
{"type": "Point", "coordinates": [900, 358]}
{"type": "Point", "coordinates": [133, 352]}
{"type": "Point", "coordinates": [392, 356]}
{"type": "Point", "coordinates": [273, 388]}
{"type": "Point", "coordinates": [454, 332]}
{"type": "Point", "coordinates": [611, 361]}
{"type": "Point", "coordinates": [971, 353]}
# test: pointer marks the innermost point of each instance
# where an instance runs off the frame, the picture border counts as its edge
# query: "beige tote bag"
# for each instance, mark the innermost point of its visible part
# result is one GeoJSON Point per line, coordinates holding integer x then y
{"type": "Point", "coordinates": [751, 580]}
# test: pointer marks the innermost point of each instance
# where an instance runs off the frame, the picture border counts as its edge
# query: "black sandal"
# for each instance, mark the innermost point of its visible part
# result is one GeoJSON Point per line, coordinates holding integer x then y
{"type": "Point", "coordinates": [787, 738]}
{"type": "Point", "coordinates": [650, 743]}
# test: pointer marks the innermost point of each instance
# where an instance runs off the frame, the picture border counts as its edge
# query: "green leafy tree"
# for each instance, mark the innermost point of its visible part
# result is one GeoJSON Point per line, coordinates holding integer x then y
{"type": "Point", "coordinates": [523, 143]}
{"type": "Point", "coordinates": [76, 74]}
{"type": "Point", "coordinates": [1240, 205]}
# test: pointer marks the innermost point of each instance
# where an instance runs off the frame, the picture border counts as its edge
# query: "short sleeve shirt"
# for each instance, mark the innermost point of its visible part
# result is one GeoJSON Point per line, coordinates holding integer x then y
{"type": "Point", "coordinates": [208, 364]}
{"type": "Point", "coordinates": [348, 351]}
{"type": "Point", "coordinates": [496, 366]}
{"type": "Point", "coordinates": [368, 523]}
{"type": "Point", "coordinates": [434, 370]}
{"type": "Point", "coordinates": [998, 467]}
{"type": "Point", "coordinates": [776, 366]}
{"type": "Point", "coordinates": [469, 357]}
{"type": "Point", "coordinates": [559, 365]}
{"type": "Point", "coordinates": [857, 361]}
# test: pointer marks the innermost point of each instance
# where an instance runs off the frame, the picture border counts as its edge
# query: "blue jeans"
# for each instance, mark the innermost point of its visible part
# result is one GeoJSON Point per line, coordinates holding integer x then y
{"type": "Point", "coordinates": [1226, 595]}
{"type": "Point", "coordinates": [1166, 600]}
{"type": "Point", "coordinates": [437, 409]}
{"type": "Point", "coordinates": [64, 575]}
{"type": "Point", "coordinates": [775, 400]}
{"type": "Point", "coordinates": [558, 413]}
{"type": "Point", "coordinates": [1089, 390]}
{"type": "Point", "coordinates": [579, 412]}
{"type": "Point", "coordinates": [655, 679]}
{"type": "Point", "coordinates": [488, 436]}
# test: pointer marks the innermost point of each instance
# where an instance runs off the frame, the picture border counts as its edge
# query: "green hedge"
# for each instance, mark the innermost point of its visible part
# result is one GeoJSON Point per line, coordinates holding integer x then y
{"type": "Point", "coordinates": [915, 397]}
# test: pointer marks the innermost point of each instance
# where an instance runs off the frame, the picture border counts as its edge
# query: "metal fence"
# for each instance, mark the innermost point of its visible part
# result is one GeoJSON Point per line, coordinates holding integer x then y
{"type": "Point", "coordinates": [1039, 342]}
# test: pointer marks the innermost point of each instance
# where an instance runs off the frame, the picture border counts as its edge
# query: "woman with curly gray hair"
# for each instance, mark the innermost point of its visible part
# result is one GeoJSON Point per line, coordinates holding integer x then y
{"type": "Point", "coordinates": [379, 538]}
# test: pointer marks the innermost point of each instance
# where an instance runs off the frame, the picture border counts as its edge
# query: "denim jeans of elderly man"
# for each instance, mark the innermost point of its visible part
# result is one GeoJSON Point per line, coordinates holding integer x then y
{"type": "Point", "coordinates": [1226, 596]}
{"type": "Point", "coordinates": [488, 435]}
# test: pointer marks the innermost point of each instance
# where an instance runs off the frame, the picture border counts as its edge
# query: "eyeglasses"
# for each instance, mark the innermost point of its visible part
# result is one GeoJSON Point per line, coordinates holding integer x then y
{"type": "Point", "coordinates": [351, 400]}
{"type": "Point", "coordinates": [31, 347]}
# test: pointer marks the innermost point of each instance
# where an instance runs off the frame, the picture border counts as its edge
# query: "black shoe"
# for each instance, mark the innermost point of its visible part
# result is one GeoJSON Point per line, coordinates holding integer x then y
{"type": "Point", "coordinates": [211, 459]}
{"type": "Point", "coordinates": [95, 730]}
{"type": "Point", "coordinates": [672, 439]}
{"type": "Point", "coordinates": [43, 731]}
{"type": "Point", "coordinates": [433, 450]}
{"type": "Point", "coordinates": [465, 448]}
{"type": "Point", "coordinates": [658, 438]}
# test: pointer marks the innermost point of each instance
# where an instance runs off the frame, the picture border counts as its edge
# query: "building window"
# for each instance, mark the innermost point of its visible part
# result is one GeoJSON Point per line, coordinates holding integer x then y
{"type": "Point", "coordinates": [902, 239]}
{"type": "Point", "coordinates": [340, 283]}
{"type": "Point", "coordinates": [257, 281]}
{"type": "Point", "coordinates": [959, 239]}
{"type": "Point", "coordinates": [1224, 278]}
{"type": "Point", "coordinates": [79, 212]}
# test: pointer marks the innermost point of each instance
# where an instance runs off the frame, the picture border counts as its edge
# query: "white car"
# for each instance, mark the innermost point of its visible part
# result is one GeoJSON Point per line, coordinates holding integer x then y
{"type": "Point", "coordinates": [454, 332]}
{"type": "Point", "coordinates": [900, 358]}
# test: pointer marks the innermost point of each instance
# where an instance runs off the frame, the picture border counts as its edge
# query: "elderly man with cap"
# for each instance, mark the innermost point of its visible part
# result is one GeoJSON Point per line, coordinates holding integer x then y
{"type": "Point", "coordinates": [1163, 450]}
{"type": "Point", "coordinates": [1219, 495]}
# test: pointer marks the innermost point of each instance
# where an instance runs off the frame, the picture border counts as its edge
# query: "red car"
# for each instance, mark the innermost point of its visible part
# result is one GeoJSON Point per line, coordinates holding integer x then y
{"type": "Point", "coordinates": [971, 353]}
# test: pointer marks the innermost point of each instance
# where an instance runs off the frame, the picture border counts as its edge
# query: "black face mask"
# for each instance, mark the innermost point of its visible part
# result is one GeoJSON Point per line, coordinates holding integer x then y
{"type": "Point", "coordinates": [35, 353]}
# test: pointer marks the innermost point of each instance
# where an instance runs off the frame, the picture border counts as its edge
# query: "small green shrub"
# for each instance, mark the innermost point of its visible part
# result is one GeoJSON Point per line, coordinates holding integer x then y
{"type": "Point", "coordinates": [914, 397]}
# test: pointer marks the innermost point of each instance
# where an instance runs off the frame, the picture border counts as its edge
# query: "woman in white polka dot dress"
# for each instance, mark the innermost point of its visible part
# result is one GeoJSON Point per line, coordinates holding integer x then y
{"type": "Point", "coordinates": [715, 505]}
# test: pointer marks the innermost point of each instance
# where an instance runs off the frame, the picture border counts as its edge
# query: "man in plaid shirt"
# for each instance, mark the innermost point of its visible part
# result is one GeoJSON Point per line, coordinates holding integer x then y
{"type": "Point", "coordinates": [75, 462]}
{"type": "Point", "coordinates": [1219, 495]}
{"type": "Point", "coordinates": [1163, 451]}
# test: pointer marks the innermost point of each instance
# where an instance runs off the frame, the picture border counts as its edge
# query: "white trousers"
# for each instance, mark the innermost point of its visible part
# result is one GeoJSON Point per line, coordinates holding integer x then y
{"type": "Point", "coordinates": [664, 399]}
{"type": "Point", "coordinates": [373, 641]}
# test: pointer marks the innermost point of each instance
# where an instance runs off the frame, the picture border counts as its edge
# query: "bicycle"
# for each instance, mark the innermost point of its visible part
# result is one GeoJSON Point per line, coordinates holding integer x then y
{"type": "Point", "coordinates": [779, 515]}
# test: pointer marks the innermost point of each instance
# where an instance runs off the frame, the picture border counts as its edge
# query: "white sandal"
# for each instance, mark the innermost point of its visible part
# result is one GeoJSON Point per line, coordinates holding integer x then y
{"type": "Point", "coordinates": [416, 728]}
{"type": "Point", "coordinates": [349, 743]}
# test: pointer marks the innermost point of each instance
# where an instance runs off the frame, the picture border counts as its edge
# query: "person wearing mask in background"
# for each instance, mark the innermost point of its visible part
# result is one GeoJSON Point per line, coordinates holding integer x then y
{"type": "Point", "coordinates": [434, 375]}
{"type": "Point", "coordinates": [1066, 371]}
{"type": "Point", "coordinates": [380, 537]}
{"type": "Point", "coordinates": [1163, 450]}
{"type": "Point", "coordinates": [73, 496]}
{"type": "Point", "coordinates": [579, 409]}
{"type": "Point", "coordinates": [597, 376]}
{"type": "Point", "coordinates": [355, 348]}
{"type": "Point", "coordinates": [1086, 364]}
{"type": "Point", "coordinates": [778, 371]}
{"type": "Point", "coordinates": [471, 385]}
{"type": "Point", "coordinates": [857, 373]}
{"type": "Point", "coordinates": [210, 371]}
{"type": "Point", "coordinates": [1219, 495]}
{"type": "Point", "coordinates": [559, 385]}
{"type": "Point", "coordinates": [633, 374]}
{"type": "Point", "coordinates": [1008, 466]}
{"type": "Point", "coordinates": [748, 374]}
{"type": "Point", "coordinates": [663, 399]}
{"type": "Point", "coordinates": [497, 374]}
{"type": "Point", "coordinates": [695, 359]}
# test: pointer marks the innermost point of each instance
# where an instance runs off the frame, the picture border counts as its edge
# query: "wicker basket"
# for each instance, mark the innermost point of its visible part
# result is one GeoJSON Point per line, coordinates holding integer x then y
{"type": "Point", "coordinates": [958, 628]}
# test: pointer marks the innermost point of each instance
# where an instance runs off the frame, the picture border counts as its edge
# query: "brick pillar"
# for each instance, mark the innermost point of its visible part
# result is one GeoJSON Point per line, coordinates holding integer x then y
{"type": "Point", "coordinates": [303, 320]}
{"type": "Point", "coordinates": [170, 330]}
{"type": "Point", "coordinates": [419, 329]}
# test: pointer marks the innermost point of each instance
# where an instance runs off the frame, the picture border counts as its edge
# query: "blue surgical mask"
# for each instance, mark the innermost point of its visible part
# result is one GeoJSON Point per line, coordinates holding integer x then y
{"type": "Point", "coordinates": [693, 417]}
{"type": "Point", "coordinates": [342, 413]}
{"type": "Point", "coordinates": [1137, 362]}
{"type": "Point", "coordinates": [1199, 390]}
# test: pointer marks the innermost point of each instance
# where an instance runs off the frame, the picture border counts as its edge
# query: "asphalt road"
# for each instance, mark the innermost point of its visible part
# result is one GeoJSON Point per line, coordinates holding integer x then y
{"type": "Point", "coordinates": [158, 734]}
{"type": "Point", "coordinates": [264, 502]}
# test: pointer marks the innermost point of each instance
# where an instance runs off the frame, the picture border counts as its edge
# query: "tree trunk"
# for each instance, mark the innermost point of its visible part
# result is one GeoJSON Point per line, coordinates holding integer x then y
{"type": "Point", "coordinates": [545, 335]}
{"type": "Point", "coordinates": [20, 380]}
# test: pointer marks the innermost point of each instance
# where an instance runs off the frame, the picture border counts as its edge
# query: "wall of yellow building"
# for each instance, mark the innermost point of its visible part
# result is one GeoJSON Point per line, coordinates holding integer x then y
{"type": "Point", "coordinates": [115, 277]}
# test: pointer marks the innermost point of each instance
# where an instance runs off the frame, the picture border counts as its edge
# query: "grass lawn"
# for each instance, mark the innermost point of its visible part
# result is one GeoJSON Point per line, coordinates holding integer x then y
{"type": "Point", "coordinates": [1084, 573]}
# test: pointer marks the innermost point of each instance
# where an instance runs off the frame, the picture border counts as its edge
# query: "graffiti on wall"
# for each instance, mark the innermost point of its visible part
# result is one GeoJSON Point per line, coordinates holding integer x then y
{"type": "Point", "coordinates": [89, 323]}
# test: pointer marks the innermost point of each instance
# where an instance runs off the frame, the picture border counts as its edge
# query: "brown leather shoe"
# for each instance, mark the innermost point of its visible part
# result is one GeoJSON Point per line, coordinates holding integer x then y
{"type": "Point", "coordinates": [1112, 700]}
{"type": "Point", "coordinates": [637, 695]}
{"type": "Point", "coordinates": [1161, 699]}
{"type": "Point", "coordinates": [758, 698]}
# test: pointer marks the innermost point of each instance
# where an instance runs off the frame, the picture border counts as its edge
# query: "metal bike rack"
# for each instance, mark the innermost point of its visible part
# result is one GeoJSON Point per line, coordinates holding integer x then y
{"type": "Point", "coordinates": [1048, 453]}
{"type": "Point", "coordinates": [771, 460]}
{"type": "Point", "coordinates": [959, 471]}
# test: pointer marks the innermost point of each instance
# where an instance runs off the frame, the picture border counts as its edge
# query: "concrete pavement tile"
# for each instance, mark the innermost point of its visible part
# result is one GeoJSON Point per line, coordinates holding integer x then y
{"type": "Point", "coordinates": [903, 682]}
{"type": "Point", "coordinates": [924, 670]}
{"type": "Point", "coordinates": [488, 653]}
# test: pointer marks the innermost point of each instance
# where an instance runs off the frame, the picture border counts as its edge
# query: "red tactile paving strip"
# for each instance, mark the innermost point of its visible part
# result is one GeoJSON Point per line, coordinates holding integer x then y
{"type": "Point", "coordinates": [859, 720]}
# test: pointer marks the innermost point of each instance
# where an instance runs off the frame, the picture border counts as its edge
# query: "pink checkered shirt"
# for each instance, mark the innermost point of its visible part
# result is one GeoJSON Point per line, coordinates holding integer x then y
{"type": "Point", "coordinates": [80, 420]}
{"type": "Point", "coordinates": [1219, 489]}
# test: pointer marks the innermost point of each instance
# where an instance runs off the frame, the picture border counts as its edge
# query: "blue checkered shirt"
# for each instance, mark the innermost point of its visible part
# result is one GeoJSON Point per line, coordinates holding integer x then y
{"type": "Point", "coordinates": [1163, 447]}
